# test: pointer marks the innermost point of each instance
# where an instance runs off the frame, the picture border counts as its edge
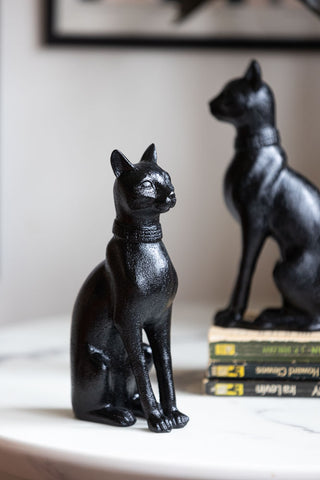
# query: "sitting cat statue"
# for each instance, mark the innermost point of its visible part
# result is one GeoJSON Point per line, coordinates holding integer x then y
{"type": "Point", "coordinates": [131, 291]}
{"type": "Point", "coordinates": [269, 198]}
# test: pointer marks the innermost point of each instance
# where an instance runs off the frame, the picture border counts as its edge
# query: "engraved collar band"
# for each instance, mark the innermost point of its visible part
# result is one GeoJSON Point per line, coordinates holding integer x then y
{"type": "Point", "coordinates": [134, 234]}
{"type": "Point", "coordinates": [265, 138]}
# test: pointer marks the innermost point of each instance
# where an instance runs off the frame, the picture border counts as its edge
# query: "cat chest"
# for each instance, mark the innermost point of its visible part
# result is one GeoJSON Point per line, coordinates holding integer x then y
{"type": "Point", "coordinates": [150, 270]}
{"type": "Point", "coordinates": [248, 182]}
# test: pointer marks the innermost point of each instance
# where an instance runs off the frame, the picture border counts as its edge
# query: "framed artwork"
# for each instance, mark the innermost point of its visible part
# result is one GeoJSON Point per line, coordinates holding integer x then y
{"type": "Point", "coordinates": [267, 24]}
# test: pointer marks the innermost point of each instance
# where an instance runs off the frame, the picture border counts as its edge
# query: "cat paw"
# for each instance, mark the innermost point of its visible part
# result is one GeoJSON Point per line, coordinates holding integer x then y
{"type": "Point", "coordinates": [116, 416]}
{"type": "Point", "coordinates": [314, 325]}
{"type": "Point", "coordinates": [282, 319]}
{"type": "Point", "coordinates": [177, 419]}
{"type": "Point", "coordinates": [159, 423]}
{"type": "Point", "coordinates": [228, 318]}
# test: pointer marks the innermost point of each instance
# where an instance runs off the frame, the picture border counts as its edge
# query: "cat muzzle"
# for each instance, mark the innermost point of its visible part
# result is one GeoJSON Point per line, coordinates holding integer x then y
{"type": "Point", "coordinates": [214, 106]}
{"type": "Point", "coordinates": [169, 202]}
{"type": "Point", "coordinates": [172, 199]}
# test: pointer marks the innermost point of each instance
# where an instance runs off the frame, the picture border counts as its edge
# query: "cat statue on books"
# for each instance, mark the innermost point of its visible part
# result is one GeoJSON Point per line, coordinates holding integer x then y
{"type": "Point", "coordinates": [131, 291]}
{"type": "Point", "coordinates": [269, 198]}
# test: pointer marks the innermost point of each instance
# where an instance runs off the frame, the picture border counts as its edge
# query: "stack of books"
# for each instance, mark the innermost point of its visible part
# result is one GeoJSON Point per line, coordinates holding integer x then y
{"type": "Point", "coordinates": [245, 362]}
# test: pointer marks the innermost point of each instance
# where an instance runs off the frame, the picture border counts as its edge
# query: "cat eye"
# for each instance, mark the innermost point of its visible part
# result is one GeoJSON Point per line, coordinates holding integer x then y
{"type": "Point", "coordinates": [146, 184]}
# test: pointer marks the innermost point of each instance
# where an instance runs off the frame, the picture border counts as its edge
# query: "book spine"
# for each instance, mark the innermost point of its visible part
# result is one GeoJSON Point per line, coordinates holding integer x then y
{"type": "Point", "coordinates": [285, 352]}
{"type": "Point", "coordinates": [265, 371]}
{"type": "Point", "coordinates": [256, 388]}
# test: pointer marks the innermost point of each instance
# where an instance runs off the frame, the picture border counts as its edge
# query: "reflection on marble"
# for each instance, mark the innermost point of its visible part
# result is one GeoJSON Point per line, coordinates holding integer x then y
{"type": "Point", "coordinates": [227, 438]}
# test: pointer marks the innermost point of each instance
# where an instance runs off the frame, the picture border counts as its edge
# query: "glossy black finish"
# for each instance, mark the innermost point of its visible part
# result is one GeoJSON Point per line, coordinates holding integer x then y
{"type": "Point", "coordinates": [269, 198]}
{"type": "Point", "coordinates": [131, 291]}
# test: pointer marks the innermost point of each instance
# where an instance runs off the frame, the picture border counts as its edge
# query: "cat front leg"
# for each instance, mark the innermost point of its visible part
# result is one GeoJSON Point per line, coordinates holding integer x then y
{"type": "Point", "coordinates": [158, 333]}
{"type": "Point", "coordinates": [253, 237]}
{"type": "Point", "coordinates": [131, 335]}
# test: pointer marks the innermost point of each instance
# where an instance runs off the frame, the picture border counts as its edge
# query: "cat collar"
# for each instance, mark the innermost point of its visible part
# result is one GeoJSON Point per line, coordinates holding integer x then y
{"type": "Point", "coordinates": [134, 234]}
{"type": "Point", "coordinates": [265, 138]}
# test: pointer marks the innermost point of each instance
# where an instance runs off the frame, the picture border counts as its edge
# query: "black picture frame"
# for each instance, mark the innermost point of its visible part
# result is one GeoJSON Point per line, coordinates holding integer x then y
{"type": "Point", "coordinates": [54, 38]}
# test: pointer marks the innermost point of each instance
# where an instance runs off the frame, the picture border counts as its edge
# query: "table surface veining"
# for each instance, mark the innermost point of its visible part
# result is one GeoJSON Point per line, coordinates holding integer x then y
{"type": "Point", "coordinates": [226, 438]}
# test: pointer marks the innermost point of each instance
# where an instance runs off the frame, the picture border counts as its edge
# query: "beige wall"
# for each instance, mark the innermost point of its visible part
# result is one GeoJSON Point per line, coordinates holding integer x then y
{"type": "Point", "coordinates": [63, 112]}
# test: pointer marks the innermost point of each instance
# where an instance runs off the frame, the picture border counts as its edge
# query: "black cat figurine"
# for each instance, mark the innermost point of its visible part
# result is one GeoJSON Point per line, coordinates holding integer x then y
{"type": "Point", "coordinates": [131, 291]}
{"type": "Point", "coordinates": [269, 198]}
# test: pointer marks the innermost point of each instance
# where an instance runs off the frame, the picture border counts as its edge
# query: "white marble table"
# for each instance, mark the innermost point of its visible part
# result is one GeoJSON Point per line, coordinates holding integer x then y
{"type": "Point", "coordinates": [227, 438]}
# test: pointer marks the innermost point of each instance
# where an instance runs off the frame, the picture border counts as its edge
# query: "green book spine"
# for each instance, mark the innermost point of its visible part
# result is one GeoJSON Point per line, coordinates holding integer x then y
{"type": "Point", "coordinates": [259, 388]}
{"type": "Point", "coordinates": [265, 351]}
{"type": "Point", "coordinates": [265, 371]}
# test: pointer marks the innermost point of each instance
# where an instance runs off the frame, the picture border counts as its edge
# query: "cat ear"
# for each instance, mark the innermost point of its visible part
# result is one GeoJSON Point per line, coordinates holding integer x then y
{"type": "Point", "coordinates": [253, 75]}
{"type": "Point", "coordinates": [120, 163]}
{"type": "Point", "coordinates": [150, 155]}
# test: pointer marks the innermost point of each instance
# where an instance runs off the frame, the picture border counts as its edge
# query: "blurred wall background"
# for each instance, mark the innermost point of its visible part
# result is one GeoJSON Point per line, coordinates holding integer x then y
{"type": "Point", "coordinates": [64, 110]}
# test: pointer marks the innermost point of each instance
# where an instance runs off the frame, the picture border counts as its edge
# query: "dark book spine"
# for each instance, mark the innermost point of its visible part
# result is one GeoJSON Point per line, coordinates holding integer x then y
{"type": "Point", "coordinates": [257, 388]}
{"type": "Point", "coordinates": [254, 351]}
{"type": "Point", "coordinates": [265, 371]}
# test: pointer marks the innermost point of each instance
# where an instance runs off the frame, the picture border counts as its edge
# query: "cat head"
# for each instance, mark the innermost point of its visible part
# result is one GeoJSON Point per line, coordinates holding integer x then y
{"type": "Point", "coordinates": [141, 189]}
{"type": "Point", "coordinates": [245, 101]}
